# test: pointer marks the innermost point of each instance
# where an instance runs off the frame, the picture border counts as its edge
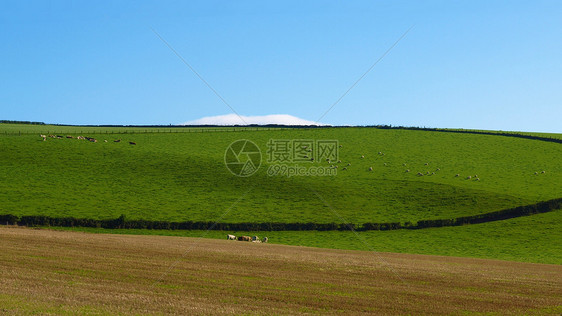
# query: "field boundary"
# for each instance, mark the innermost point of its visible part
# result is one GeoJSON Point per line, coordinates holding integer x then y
{"type": "Point", "coordinates": [123, 223]}
{"type": "Point", "coordinates": [158, 129]}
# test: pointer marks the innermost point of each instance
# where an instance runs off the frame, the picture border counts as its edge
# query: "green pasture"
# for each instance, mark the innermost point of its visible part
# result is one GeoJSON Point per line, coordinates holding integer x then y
{"type": "Point", "coordinates": [533, 238]}
{"type": "Point", "coordinates": [181, 176]}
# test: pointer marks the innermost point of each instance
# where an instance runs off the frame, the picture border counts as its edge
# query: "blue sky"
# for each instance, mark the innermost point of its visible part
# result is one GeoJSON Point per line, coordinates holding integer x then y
{"type": "Point", "coordinates": [467, 64]}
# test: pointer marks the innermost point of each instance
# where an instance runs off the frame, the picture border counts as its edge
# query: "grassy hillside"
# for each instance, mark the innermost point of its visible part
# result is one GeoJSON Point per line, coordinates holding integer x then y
{"type": "Point", "coordinates": [181, 176]}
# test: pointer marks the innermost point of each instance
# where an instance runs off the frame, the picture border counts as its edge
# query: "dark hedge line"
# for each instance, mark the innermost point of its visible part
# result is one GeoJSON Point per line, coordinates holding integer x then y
{"type": "Point", "coordinates": [21, 122]}
{"type": "Point", "coordinates": [541, 207]}
{"type": "Point", "coordinates": [544, 139]}
{"type": "Point", "coordinates": [508, 134]}
{"type": "Point", "coordinates": [278, 126]}
{"type": "Point", "coordinates": [122, 222]}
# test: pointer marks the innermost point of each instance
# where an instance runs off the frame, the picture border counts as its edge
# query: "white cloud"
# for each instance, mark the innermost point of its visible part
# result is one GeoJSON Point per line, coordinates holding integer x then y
{"type": "Point", "coordinates": [233, 119]}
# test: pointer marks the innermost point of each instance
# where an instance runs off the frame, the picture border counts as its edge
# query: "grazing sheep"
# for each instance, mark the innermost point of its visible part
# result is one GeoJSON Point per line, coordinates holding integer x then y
{"type": "Point", "coordinates": [438, 169]}
{"type": "Point", "coordinates": [536, 173]}
{"type": "Point", "coordinates": [385, 163]}
{"type": "Point", "coordinates": [433, 173]}
{"type": "Point", "coordinates": [469, 177]}
{"type": "Point", "coordinates": [420, 174]}
{"type": "Point", "coordinates": [44, 137]}
{"type": "Point", "coordinates": [311, 159]}
{"type": "Point", "coordinates": [427, 163]}
{"type": "Point", "coordinates": [328, 159]}
{"type": "Point", "coordinates": [457, 175]}
{"type": "Point", "coordinates": [105, 140]}
{"type": "Point", "coordinates": [477, 179]}
{"type": "Point", "coordinates": [336, 167]}
{"type": "Point", "coordinates": [370, 168]}
{"type": "Point", "coordinates": [404, 164]}
{"type": "Point", "coordinates": [543, 171]}
{"type": "Point", "coordinates": [339, 161]}
{"type": "Point", "coordinates": [344, 168]}
{"type": "Point", "coordinates": [362, 156]}
{"type": "Point", "coordinates": [348, 164]}
{"type": "Point", "coordinates": [341, 146]}
{"type": "Point", "coordinates": [475, 176]}
{"type": "Point", "coordinates": [407, 170]}
{"type": "Point", "coordinates": [380, 153]}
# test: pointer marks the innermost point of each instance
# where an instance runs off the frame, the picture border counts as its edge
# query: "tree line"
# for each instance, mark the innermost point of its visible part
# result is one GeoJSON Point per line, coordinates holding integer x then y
{"type": "Point", "coordinates": [123, 223]}
{"type": "Point", "coordinates": [21, 122]}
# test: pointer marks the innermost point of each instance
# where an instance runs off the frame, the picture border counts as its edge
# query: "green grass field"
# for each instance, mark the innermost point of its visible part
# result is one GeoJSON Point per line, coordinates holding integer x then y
{"type": "Point", "coordinates": [181, 175]}
{"type": "Point", "coordinates": [528, 239]}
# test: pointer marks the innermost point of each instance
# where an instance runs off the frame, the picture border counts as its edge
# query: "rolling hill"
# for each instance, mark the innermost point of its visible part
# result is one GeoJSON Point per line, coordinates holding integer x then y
{"type": "Point", "coordinates": [179, 174]}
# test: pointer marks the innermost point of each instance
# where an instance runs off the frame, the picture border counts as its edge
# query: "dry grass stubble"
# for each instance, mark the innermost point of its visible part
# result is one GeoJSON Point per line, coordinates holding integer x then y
{"type": "Point", "coordinates": [68, 272]}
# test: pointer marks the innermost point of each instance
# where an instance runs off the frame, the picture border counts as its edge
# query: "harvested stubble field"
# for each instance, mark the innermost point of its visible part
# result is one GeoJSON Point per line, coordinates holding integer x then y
{"type": "Point", "coordinates": [45, 271]}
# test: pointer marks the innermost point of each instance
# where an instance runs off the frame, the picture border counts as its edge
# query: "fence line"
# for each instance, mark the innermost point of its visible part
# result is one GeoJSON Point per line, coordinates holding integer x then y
{"type": "Point", "coordinates": [158, 131]}
{"type": "Point", "coordinates": [257, 129]}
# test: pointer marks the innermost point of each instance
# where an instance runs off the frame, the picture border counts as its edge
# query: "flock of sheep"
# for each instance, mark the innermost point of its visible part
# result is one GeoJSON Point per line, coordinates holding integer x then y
{"type": "Point", "coordinates": [247, 238]}
{"type": "Point", "coordinates": [419, 174]}
{"type": "Point", "coordinates": [90, 139]}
